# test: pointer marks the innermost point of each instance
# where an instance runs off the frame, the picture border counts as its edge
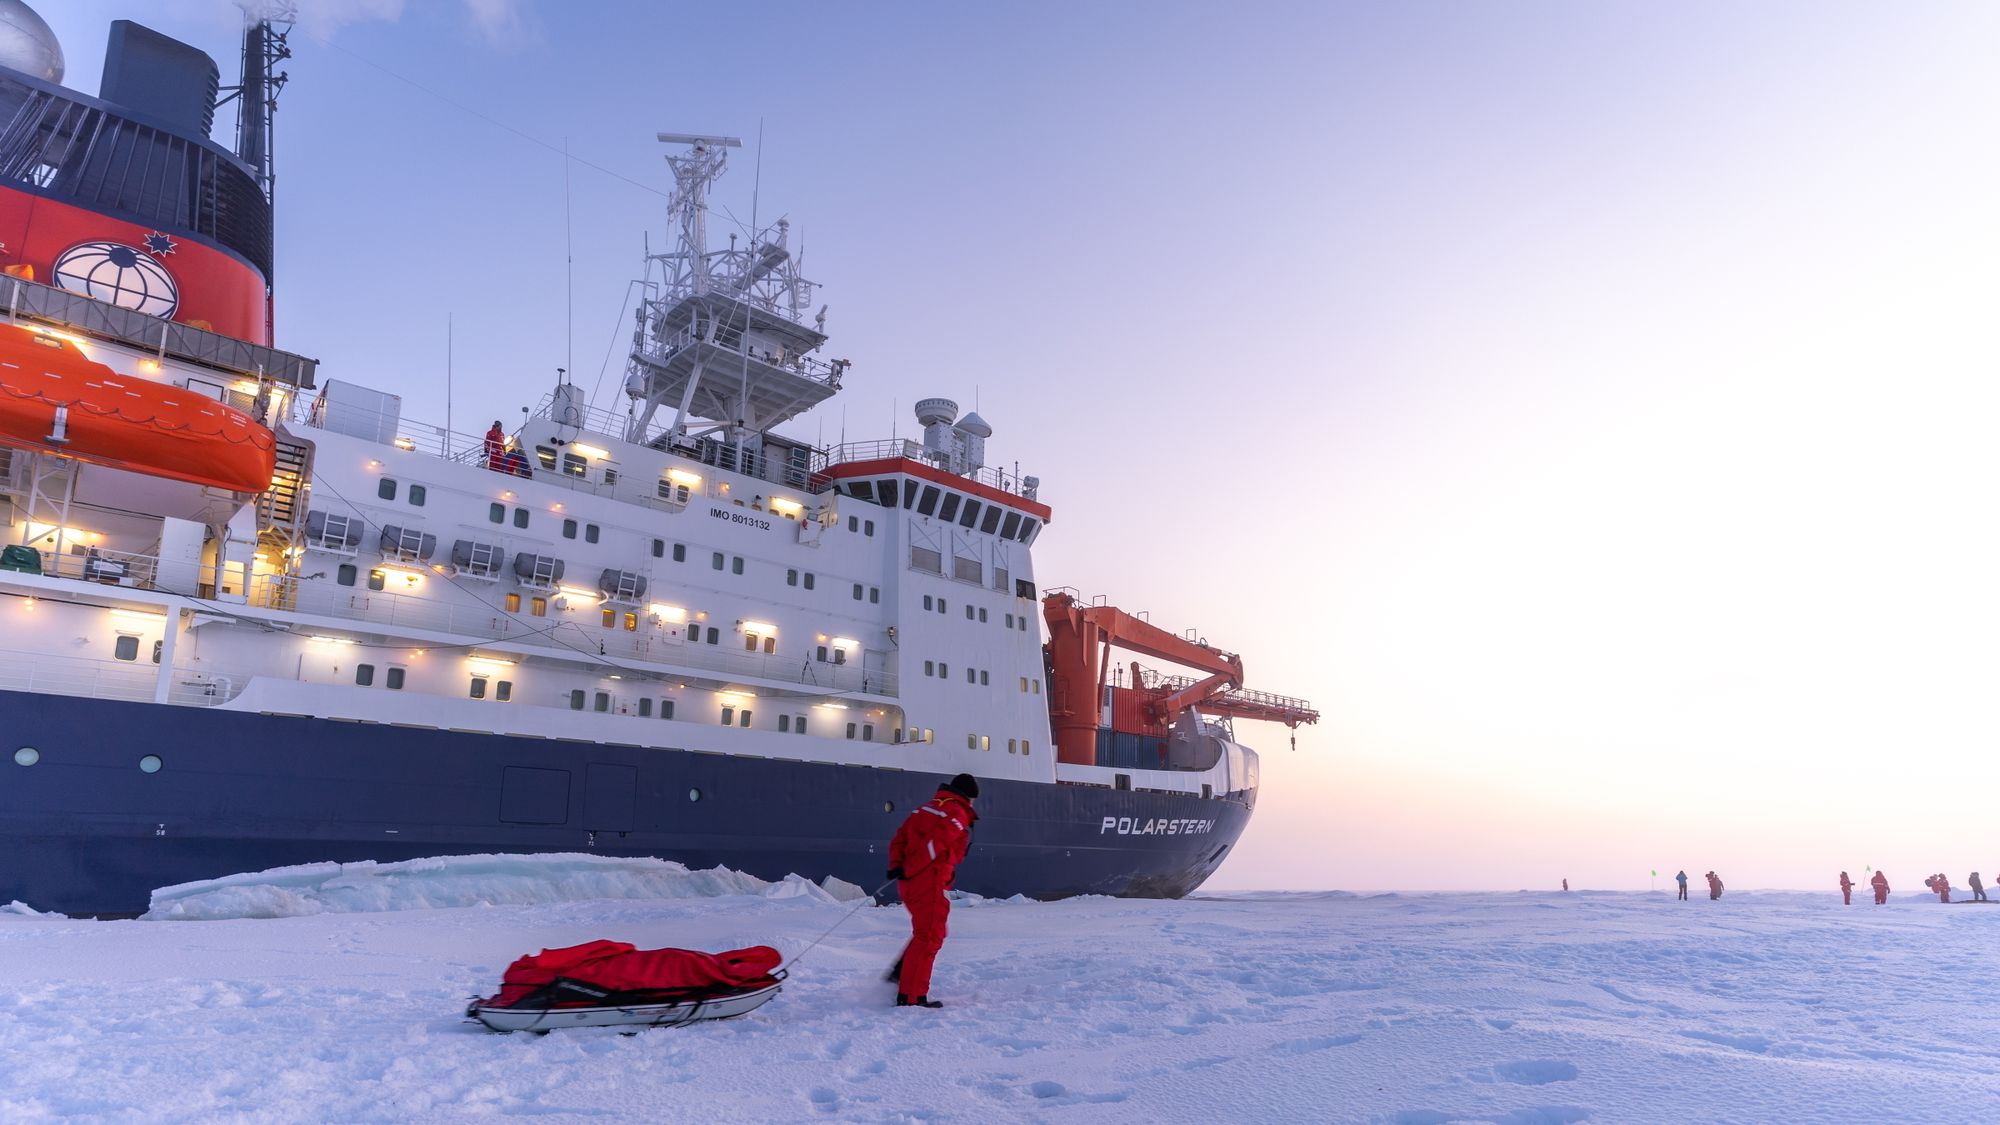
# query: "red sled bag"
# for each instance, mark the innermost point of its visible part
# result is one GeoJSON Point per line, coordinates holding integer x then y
{"type": "Point", "coordinates": [603, 983]}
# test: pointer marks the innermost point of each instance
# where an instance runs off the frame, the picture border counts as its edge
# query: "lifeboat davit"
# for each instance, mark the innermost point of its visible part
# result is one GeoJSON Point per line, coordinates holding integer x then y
{"type": "Point", "coordinates": [124, 422]}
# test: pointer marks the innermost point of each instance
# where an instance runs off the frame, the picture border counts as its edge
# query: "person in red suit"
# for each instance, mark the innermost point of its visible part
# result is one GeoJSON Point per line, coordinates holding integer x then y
{"type": "Point", "coordinates": [496, 448]}
{"type": "Point", "coordinates": [923, 858]}
{"type": "Point", "coordinates": [1881, 884]}
{"type": "Point", "coordinates": [1846, 890]}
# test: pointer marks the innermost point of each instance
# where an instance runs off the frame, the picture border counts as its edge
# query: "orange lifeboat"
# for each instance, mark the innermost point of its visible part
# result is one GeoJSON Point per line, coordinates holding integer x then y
{"type": "Point", "coordinates": [55, 399]}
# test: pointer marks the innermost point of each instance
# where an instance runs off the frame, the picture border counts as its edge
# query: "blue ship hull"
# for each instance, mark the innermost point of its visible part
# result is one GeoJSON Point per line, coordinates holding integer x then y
{"type": "Point", "coordinates": [84, 830]}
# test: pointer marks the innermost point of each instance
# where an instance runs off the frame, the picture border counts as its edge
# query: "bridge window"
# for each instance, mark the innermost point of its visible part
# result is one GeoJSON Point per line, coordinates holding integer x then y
{"type": "Point", "coordinates": [992, 521]}
{"type": "Point", "coordinates": [970, 515]}
{"type": "Point", "coordinates": [950, 506]}
{"type": "Point", "coordinates": [928, 504]}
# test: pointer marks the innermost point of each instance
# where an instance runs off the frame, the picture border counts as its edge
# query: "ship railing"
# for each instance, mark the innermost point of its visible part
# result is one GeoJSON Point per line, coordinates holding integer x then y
{"type": "Point", "coordinates": [73, 676]}
{"type": "Point", "coordinates": [661, 351]}
{"type": "Point", "coordinates": [573, 628]}
{"type": "Point", "coordinates": [404, 433]}
{"type": "Point", "coordinates": [105, 567]}
{"type": "Point", "coordinates": [584, 416]}
{"type": "Point", "coordinates": [33, 301]}
{"type": "Point", "coordinates": [1011, 483]}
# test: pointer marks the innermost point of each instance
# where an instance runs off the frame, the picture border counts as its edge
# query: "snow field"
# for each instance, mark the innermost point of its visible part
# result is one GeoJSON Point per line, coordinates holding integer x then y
{"type": "Point", "coordinates": [1521, 1008]}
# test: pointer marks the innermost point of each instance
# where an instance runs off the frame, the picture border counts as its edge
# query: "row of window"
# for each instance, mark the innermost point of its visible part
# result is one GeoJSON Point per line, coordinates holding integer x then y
{"type": "Point", "coordinates": [386, 489]}
{"type": "Point", "coordinates": [589, 531]}
{"type": "Point", "coordinates": [28, 756]}
{"type": "Point", "coordinates": [866, 527]}
{"type": "Point", "coordinates": [126, 647]}
{"type": "Point", "coordinates": [497, 513]}
{"type": "Point", "coordinates": [949, 507]}
{"type": "Point", "coordinates": [984, 742]}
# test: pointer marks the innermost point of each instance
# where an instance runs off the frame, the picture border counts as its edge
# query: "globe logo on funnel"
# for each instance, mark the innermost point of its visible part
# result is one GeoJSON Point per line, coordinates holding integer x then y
{"type": "Point", "coordinates": [123, 275]}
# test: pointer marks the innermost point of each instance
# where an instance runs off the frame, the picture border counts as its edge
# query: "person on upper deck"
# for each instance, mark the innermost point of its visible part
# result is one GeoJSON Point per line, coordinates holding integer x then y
{"type": "Point", "coordinates": [496, 448]}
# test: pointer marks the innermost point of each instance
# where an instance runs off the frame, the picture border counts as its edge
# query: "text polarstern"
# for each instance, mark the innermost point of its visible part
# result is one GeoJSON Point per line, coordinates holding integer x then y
{"type": "Point", "coordinates": [1158, 826]}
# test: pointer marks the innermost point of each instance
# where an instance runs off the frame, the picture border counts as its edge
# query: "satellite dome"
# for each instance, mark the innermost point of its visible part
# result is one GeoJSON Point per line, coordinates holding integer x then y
{"type": "Point", "coordinates": [936, 412]}
{"type": "Point", "coordinates": [27, 44]}
{"type": "Point", "coordinates": [975, 425]}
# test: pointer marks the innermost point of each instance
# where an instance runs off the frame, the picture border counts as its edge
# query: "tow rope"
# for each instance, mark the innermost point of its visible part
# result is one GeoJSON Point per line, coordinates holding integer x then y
{"type": "Point", "coordinates": [868, 900]}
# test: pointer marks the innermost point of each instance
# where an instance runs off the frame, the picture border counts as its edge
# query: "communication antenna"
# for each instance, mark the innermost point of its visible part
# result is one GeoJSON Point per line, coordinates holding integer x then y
{"type": "Point", "coordinates": [569, 272]}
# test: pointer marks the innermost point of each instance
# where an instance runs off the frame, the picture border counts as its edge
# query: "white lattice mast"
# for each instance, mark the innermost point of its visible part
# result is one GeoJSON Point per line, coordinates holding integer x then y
{"type": "Point", "coordinates": [694, 172]}
{"type": "Point", "coordinates": [722, 335]}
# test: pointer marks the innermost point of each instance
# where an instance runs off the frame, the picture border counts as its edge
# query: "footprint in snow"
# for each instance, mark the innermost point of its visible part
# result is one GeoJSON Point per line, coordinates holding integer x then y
{"type": "Point", "coordinates": [1535, 1072]}
{"type": "Point", "coordinates": [1314, 1043]}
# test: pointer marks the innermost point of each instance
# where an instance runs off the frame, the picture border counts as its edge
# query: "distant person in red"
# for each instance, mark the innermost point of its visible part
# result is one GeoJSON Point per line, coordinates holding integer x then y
{"type": "Point", "coordinates": [1978, 888]}
{"type": "Point", "coordinates": [1881, 884]}
{"type": "Point", "coordinates": [1846, 890]}
{"type": "Point", "coordinates": [1714, 886]}
{"type": "Point", "coordinates": [1943, 888]}
{"type": "Point", "coordinates": [496, 448]}
{"type": "Point", "coordinates": [923, 858]}
{"type": "Point", "coordinates": [1565, 886]}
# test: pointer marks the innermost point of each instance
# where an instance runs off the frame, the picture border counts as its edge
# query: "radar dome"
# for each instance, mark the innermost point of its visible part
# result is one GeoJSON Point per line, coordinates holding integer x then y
{"type": "Point", "coordinates": [936, 411]}
{"type": "Point", "coordinates": [27, 44]}
{"type": "Point", "coordinates": [975, 425]}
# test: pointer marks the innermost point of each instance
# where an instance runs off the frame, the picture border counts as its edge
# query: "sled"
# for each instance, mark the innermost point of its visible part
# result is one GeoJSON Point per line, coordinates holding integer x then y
{"type": "Point", "coordinates": [571, 1004]}
{"type": "Point", "coordinates": [612, 984]}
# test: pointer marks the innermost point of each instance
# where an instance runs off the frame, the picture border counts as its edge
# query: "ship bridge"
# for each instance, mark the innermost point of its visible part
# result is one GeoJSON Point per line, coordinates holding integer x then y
{"type": "Point", "coordinates": [722, 357]}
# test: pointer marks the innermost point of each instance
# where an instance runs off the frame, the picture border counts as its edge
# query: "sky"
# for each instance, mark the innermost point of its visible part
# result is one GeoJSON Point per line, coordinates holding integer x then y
{"type": "Point", "coordinates": [1587, 406]}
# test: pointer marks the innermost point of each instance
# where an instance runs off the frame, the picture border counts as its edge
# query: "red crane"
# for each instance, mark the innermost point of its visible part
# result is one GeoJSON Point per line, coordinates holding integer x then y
{"type": "Point", "coordinates": [1079, 653]}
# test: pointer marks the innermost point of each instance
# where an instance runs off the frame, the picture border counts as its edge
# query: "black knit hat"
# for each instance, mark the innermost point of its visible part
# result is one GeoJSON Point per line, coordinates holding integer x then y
{"type": "Point", "coordinates": [965, 785]}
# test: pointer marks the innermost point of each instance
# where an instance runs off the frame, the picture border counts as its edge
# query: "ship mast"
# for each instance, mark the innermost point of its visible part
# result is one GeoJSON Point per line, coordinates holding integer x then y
{"type": "Point", "coordinates": [721, 333]}
{"type": "Point", "coordinates": [267, 26]}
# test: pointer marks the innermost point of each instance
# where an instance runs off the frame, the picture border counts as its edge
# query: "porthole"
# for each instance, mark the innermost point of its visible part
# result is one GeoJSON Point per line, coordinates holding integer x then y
{"type": "Point", "coordinates": [888, 806]}
{"type": "Point", "coordinates": [694, 795]}
{"type": "Point", "coordinates": [27, 756]}
{"type": "Point", "coordinates": [150, 764]}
